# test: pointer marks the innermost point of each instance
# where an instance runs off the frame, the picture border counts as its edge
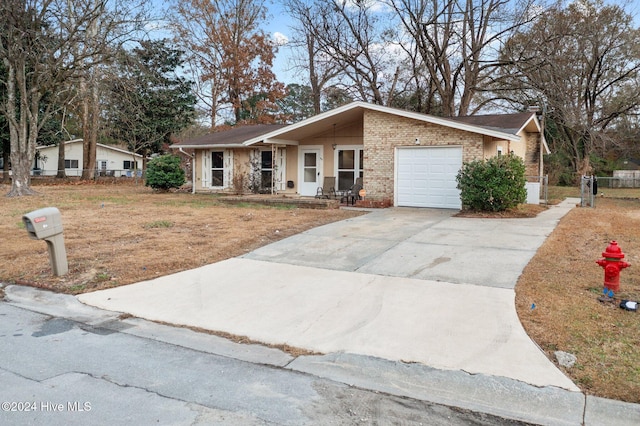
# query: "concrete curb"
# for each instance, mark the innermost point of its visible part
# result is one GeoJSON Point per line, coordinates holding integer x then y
{"type": "Point", "coordinates": [499, 396]}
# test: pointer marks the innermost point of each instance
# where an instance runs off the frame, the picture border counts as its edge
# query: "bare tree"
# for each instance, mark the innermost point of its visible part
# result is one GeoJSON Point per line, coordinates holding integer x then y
{"type": "Point", "coordinates": [350, 37]}
{"type": "Point", "coordinates": [39, 42]}
{"type": "Point", "coordinates": [456, 42]}
{"type": "Point", "coordinates": [583, 62]}
{"type": "Point", "coordinates": [321, 69]}
{"type": "Point", "coordinates": [90, 97]}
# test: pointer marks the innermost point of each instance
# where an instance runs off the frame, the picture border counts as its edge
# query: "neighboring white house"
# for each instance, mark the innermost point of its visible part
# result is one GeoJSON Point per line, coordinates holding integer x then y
{"type": "Point", "coordinates": [110, 160]}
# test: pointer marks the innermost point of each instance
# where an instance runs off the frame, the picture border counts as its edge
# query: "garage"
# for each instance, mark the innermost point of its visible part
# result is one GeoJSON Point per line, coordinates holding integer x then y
{"type": "Point", "coordinates": [426, 177]}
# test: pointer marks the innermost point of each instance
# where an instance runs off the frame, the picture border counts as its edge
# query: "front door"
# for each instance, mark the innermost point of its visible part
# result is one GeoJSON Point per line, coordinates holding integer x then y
{"type": "Point", "coordinates": [310, 170]}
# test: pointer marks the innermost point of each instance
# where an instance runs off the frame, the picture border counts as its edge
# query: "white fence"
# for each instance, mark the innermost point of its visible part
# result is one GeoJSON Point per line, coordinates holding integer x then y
{"type": "Point", "coordinates": [98, 173]}
{"type": "Point", "coordinates": [625, 179]}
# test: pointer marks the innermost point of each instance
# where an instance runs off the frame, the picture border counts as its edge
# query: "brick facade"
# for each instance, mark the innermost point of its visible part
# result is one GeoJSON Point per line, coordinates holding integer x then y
{"type": "Point", "coordinates": [384, 132]}
{"type": "Point", "coordinates": [532, 155]}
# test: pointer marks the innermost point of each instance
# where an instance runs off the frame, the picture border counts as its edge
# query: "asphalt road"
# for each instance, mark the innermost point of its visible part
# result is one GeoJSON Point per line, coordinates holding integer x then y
{"type": "Point", "coordinates": [59, 371]}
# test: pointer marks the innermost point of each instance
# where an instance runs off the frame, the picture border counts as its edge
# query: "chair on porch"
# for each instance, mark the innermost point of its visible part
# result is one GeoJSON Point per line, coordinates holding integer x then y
{"type": "Point", "coordinates": [328, 188]}
{"type": "Point", "coordinates": [352, 194]}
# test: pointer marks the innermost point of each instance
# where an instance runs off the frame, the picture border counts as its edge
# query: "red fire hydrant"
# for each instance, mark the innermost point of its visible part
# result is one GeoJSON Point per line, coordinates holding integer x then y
{"type": "Point", "coordinates": [612, 264]}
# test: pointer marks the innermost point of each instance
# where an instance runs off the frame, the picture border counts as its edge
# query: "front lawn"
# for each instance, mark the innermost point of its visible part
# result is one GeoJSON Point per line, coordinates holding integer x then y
{"type": "Point", "coordinates": [557, 295]}
{"type": "Point", "coordinates": [121, 234]}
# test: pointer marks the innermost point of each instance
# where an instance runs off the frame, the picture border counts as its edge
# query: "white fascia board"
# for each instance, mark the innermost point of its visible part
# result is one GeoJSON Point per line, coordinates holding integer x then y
{"type": "Point", "coordinates": [56, 145]}
{"type": "Point", "coordinates": [526, 123]}
{"type": "Point", "coordinates": [444, 122]}
{"type": "Point", "coordinates": [305, 122]}
{"type": "Point", "coordinates": [220, 146]}
{"type": "Point", "coordinates": [407, 114]}
{"type": "Point", "coordinates": [124, 151]}
{"type": "Point", "coordinates": [534, 117]}
{"type": "Point", "coordinates": [109, 147]}
{"type": "Point", "coordinates": [280, 142]}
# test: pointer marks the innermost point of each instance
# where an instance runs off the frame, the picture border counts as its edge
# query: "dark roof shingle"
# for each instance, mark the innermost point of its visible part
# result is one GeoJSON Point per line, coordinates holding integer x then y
{"type": "Point", "coordinates": [508, 123]}
{"type": "Point", "coordinates": [234, 136]}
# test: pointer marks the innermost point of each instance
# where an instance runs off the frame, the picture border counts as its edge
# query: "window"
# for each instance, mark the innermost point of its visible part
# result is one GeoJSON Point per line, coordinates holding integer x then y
{"type": "Point", "coordinates": [266, 169]}
{"type": "Point", "coordinates": [217, 168]}
{"type": "Point", "coordinates": [70, 164]}
{"type": "Point", "coordinates": [350, 167]}
{"type": "Point", "coordinates": [128, 165]}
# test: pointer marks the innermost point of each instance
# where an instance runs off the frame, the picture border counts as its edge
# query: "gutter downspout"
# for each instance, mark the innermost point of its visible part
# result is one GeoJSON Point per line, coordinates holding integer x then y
{"type": "Point", "coordinates": [193, 169]}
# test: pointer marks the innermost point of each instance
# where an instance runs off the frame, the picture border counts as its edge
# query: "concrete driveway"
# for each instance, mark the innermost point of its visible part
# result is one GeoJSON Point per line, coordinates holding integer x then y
{"type": "Point", "coordinates": [426, 244]}
{"type": "Point", "coordinates": [412, 285]}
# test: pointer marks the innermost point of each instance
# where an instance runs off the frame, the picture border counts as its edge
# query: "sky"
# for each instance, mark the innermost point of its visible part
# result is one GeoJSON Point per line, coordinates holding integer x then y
{"type": "Point", "coordinates": [278, 26]}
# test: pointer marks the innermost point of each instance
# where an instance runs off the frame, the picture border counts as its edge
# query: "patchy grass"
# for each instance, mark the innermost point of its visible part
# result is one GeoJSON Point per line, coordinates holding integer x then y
{"type": "Point", "coordinates": [159, 224]}
{"type": "Point", "coordinates": [119, 234]}
{"type": "Point", "coordinates": [564, 283]}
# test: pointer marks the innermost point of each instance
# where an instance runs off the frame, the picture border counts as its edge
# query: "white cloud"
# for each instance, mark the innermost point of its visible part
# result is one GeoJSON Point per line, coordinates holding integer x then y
{"type": "Point", "coordinates": [372, 5]}
{"type": "Point", "coordinates": [280, 38]}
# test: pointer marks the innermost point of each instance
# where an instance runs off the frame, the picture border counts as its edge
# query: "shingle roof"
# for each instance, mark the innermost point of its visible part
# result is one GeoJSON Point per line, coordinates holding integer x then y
{"type": "Point", "coordinates": [508, 123]}
{"type": "Point", "coordinates": [234, 136]}
{"type": "Point", "coordinates": [500, 126]}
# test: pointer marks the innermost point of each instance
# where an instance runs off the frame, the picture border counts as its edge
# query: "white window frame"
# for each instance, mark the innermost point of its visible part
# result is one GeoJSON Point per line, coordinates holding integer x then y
{"type": "Point", "coordinates": [262, 150]}
{"type": "Point", "coordinates": [207, 168]}
{"type": "Point", "coordinates": [216, 169]}
{"type": "Point", "coordinates": [357, 167]}
{"type": "Point", "coordinates": [70, 163]}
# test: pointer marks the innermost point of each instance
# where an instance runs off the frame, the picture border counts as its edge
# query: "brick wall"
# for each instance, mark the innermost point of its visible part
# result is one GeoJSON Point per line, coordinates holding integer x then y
{"type": "Point", "coordinates": [532, 156]}
{"type": "Point", "coordinates": [384, 132]}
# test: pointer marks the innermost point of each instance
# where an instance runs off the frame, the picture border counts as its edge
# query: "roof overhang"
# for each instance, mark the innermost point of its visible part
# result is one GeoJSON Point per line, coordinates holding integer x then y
{"type": "Point", "coordinates": [109, 147]}
{"type": "Point", "coordinates": [349, 113]}
{"type": "Point", "coordinates": [213, 147]}
{"type": "Point", "coordinates": [534, 125]}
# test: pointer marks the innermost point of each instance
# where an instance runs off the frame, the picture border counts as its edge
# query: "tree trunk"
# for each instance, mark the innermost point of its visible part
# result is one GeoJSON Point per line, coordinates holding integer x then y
{"type": "Point", "coordinates": [316, 89]}
{"type": "Point", "coordinates": [6, 155]}
{"type": "Point", "coordinates": [90, 104]}
{"type": "Point", "coordinates": [21, 153]}
{"type": "Point", "coordinates": [61, 174]}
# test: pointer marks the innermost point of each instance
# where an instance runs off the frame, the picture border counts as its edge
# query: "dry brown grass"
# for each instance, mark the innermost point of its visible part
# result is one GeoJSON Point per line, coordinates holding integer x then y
{"type": "Point", "coordinates": [564, 283]}
{"type": "Point", "coordinates": [120, 234]}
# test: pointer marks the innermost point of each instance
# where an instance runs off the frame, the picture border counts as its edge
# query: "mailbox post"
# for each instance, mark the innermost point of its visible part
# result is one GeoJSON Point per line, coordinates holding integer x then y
{"type": "Point", "coordinates": [46, 224]}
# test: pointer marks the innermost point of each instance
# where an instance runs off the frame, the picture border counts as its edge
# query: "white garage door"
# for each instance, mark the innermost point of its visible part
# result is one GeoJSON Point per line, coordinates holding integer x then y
{"type": "Point", "coordinates": [426, 177]}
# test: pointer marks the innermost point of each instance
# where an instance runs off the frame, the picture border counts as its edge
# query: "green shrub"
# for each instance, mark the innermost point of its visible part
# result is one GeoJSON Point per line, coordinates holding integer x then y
{"type": "Point", "coordinates": [164, 173]}
{"type": "Point", "coordinates": [496, 184]}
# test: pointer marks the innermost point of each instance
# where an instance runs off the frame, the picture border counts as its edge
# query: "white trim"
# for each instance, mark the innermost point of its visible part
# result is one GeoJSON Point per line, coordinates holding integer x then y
{"type": "Point", "coordinates": [396, 163]}
{"type": "Point", "coordinates": [109, 147]}
{"type": "Point", "coordinates": [357, 165]}
{"type": "Point", "coordinates": [281, 168]}
{"type": "Point", "coordinates": [204, 182]}
{"type": "Point", "coordinates": [227, 171]}
{"type": "Point", "coordinates": [407, 114]}
{"type": "Point", "coordinates": [319, 165]}
{"type": "Point", "coordinates": [280, 142]}
{"type": "Point", "coordinates": [207, 171]}
{"type": "Point", "coordinates": [213, 147]}
{"type": "Point", "coordinates": [260, 150]}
